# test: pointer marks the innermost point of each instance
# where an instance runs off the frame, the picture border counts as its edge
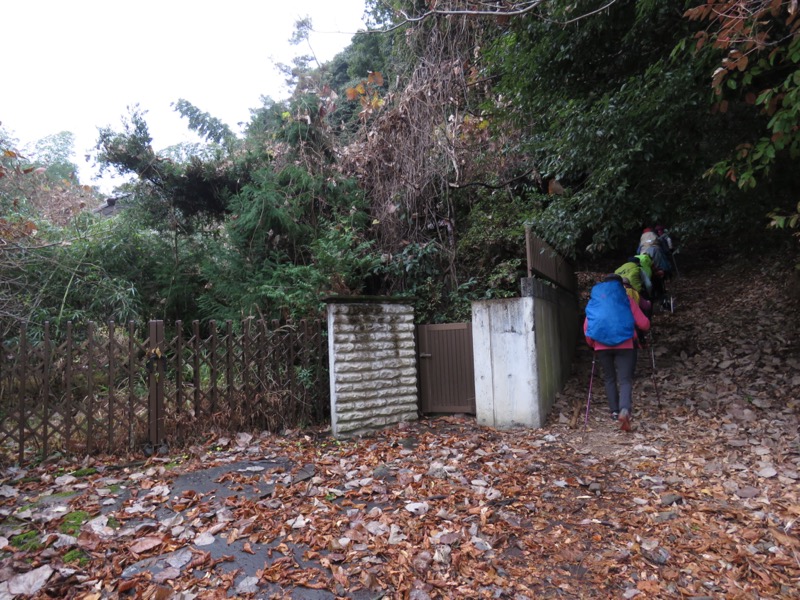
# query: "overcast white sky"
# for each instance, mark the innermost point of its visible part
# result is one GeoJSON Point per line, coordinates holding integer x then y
{"type": "Point", "coordinates": [76, 66]}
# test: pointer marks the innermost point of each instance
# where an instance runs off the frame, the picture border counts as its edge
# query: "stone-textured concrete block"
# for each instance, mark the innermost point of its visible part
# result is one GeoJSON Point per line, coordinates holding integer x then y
{"type": "Point", "coordinates": [372, 365]}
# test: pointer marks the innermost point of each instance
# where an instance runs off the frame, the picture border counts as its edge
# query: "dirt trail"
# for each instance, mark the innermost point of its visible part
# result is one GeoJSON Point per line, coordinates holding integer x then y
{"type": "Point", "coordinates": [730, 350]}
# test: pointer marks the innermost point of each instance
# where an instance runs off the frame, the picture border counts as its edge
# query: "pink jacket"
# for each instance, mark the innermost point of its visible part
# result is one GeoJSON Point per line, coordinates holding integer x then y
{"type": "Point", "coordinates": [642, 324]}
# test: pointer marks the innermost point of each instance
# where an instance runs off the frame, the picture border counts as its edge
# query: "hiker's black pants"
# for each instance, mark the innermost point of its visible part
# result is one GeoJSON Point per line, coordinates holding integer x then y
{"type": "Point", "coordinates": [618, 367]}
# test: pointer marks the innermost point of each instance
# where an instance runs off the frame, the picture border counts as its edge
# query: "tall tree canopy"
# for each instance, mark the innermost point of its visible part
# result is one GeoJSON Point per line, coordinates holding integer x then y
{"type": "Point", "coordinates": [758, 48]}
{"type": "Point", "coordinates": [605, 108]}
{"type": "Point", "coordinates": [411, 163]}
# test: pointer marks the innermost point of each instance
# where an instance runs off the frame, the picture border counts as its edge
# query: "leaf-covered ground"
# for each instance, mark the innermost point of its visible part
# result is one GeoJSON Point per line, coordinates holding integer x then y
{"type": "Point", "coordinates": [699, 501]}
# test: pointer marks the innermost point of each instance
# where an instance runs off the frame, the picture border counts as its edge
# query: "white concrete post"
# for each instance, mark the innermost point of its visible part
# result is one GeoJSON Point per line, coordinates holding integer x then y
{"type": "Point", "coordinates": [506, 379]}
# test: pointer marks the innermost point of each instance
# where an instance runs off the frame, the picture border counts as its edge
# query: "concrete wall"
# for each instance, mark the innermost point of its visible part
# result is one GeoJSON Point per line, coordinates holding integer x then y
{"type": "Point", "coordinates": [504, 347]}
{"type": "Point", "coordinates": [373, 368]}
{"type": "Point", "coordinates": [558, 323]}
{"type": "Point", "coordinates": [523, 354]}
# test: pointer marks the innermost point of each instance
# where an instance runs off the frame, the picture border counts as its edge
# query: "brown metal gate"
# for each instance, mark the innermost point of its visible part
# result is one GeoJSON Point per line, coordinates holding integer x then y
{"type": "Point", "coordinates": [446, 373]}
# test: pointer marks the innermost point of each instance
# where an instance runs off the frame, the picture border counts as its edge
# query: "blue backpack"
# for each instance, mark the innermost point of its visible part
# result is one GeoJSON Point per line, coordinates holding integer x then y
{"type": "Point", "coordinates": [608, 314]}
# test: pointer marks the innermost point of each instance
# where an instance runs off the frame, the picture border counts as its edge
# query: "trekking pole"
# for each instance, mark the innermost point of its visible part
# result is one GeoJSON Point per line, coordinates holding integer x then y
{"type": "Point", "coordinates": [589, 398]}
{"type": "Point", "coordinates": [674, 262]}
{"type": "Point", "coordinates": [653, 359]}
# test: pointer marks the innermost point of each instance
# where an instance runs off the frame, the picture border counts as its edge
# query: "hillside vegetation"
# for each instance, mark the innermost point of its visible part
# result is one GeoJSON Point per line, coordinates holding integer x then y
{"type": "Point", "coordinates": [411, 163]}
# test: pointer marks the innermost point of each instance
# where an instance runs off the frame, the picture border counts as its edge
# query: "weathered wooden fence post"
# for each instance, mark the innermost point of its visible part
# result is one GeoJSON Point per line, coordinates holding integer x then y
{"type": "Point", "coordinates": [23, 378]}
{"type": "Point", "coordinates": [155, 382]}
{"type": "Point", "coordinates": [48, 358]}
{"type": "Point", "coordinates": [90, 333]}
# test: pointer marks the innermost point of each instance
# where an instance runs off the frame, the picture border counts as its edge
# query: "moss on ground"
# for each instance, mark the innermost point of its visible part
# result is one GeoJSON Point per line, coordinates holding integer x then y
{"type": "Point", "coordinates": [76, 556]}
{"type": "Point", "coordinates": [84, 472]}
{"type": "Point", "coordinates": [26, 542]}
{"type": "Point", "coordinates": [63, 494]}
{"type": "Point", "coordinates": [72, 522]}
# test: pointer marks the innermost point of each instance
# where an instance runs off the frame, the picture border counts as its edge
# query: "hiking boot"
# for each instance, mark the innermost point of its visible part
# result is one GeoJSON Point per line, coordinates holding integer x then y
{"type": "Point", "coordinates": [624, 420]}
{"type": "Point", "coordinates": [614, 416]}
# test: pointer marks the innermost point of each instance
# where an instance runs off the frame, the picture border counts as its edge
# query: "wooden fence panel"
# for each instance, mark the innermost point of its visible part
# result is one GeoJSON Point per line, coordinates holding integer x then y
{"type": "Point", "coordinates": [545, 262]}
{"type": "Point", "coordinates": [103, 389]}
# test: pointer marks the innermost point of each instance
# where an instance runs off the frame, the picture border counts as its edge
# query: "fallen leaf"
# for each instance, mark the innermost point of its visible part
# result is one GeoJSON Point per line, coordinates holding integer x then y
{"type": "Point", "coordinates": [166, 575]}
{"type": "Point", "coordinates": [767, 472]}
{"type": "Point", "coordinates": [417, 508]}
{"type": "Point", "coordinates": [31, 582]}
{"type": "Point", "coordinates": [784, 539]}
{"type": "Point", "coordinates": [204, 539]}
{"type": "Point", "coordinates": [648, 586]}
{"type": "Point", "coordinates": [298, 522]}
{"type": "Point", "coordinates": [747, 492]}
{"type": "Point", "coordinates": [396, 535]}
{"type": "Point", "coordinates": [180, 558]}
{"type": "Point", "coordinates": [144, 544]}
{"type": "Point", "coordinates": [6, 491]}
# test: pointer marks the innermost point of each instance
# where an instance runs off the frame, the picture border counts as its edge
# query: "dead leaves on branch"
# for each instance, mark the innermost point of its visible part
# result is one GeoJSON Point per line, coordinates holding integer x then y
{"type": "Point", "coordinates": [436, 115]}
{"type": "Point", "coordinates": [367, 92]}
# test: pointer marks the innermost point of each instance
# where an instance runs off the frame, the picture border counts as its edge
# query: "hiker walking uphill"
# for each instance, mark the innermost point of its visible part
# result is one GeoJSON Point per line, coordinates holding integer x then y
{"type": "Point", "coordinates": [669, 248]}
{"type": "Point", "coordinates": [653, 245]}
{"type": "Point", "coordinates": [655, 254]}
{"type": "Point", "coordinates": [632, 271]}
{"type": "Point", "coordinates": [612, 319]}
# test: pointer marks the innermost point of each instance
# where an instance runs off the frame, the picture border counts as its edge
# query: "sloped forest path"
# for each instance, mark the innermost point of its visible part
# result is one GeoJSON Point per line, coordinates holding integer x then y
{"type": "Point", "coordinates": [699, 501]}
{"type": "Point", "coordinates": [729, 356]}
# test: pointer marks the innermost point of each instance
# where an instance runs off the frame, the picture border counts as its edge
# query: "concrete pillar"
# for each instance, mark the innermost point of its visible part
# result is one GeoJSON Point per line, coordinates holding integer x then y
{"type": "Point", "coordinates": [506, 380]}
{"type": "Point", "coordinates": [372, 360]}
{"type": "Point", "coordinates": [523, 351]}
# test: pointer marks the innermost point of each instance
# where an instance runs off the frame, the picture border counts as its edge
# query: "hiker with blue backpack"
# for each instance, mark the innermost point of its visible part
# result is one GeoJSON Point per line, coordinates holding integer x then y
{"type": "Point", "coordinates": [612, 320]}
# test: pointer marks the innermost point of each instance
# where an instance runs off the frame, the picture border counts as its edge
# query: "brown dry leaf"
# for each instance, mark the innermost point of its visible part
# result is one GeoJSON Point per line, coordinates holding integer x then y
{"type": "Point", "coordinates": [128, 584]}
{"type": "Point", "coordinates": [340, 575]}
{"type": "Point", "coordinates": [784, 539]}
{"type": "Point", "coordinates": [144, 544]}
{"type": "Point", "coordinates": [233, 535]}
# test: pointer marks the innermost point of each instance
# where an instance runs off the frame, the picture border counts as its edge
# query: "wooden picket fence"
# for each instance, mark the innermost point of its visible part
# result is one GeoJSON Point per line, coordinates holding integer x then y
{"type": "Point", "coordinates": [543, 261]}
{"type": "Point", "coordinates": [106, 388]}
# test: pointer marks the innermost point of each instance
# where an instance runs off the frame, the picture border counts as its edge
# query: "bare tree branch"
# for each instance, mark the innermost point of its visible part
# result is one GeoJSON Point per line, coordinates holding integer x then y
{"type": "Point", "coordinates": [515, 9]}
{"type": "Point", "coordinates": [491, 186]}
